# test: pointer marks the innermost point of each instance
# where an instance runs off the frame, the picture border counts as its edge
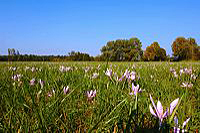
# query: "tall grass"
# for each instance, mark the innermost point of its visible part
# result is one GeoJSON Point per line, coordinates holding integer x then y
{"type": "Point", "coordinates": [29, 108]}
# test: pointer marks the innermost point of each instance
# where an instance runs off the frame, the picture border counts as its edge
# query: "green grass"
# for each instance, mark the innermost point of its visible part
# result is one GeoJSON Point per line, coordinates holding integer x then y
{"type": "Point", "coordinates": [28, 108]}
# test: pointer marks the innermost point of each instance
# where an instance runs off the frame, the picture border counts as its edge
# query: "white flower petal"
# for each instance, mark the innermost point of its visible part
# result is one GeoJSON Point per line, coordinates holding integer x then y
{"type": "Point", "coordinates": [185, 122]}
{"type": "Point", "coordinates": [151, 110]}
{"type": "Point", "coordinates": [159, 108]}
{"type": "Point", "coordinates": [154, 105]}
{"type": "Point", "coordinates": [173, 105]}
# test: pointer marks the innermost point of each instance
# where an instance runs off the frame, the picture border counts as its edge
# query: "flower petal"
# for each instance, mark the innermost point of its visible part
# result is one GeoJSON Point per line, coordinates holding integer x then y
{"type": "Point", "coordinates": [94, 93]}
{"type": "Point", "coordinates": [154, 105]}
{"type": "Point", "coordinates": [133, 87]}
{"type": "Point", "coordinates": [173, 105]}
{"type": "Point", "coordinates": [185, 122]}
{"type": "Point", "coordinates": [137, 87]}
{"type": "Point", "coordinates": [151, 110]}
{"type": "Point", "coordinates": [166, 113]}
{"type": "Point", "coordinates": [159, 108]}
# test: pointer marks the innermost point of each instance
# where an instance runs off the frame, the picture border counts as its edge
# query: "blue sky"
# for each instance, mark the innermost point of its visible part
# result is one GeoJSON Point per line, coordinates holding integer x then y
{"type": "Point", "coordinates": [57, 27]}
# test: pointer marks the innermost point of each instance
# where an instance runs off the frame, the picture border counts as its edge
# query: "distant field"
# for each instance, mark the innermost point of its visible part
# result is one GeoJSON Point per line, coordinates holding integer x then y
{"type": "Point", "coordinates": [50, 96]}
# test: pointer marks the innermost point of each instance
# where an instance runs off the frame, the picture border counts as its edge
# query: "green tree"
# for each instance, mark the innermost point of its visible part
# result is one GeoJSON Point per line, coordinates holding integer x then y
{"type": "Point", "coordinates": [122, 50]}
{"type": "Point", "coordinates": [78, 56]}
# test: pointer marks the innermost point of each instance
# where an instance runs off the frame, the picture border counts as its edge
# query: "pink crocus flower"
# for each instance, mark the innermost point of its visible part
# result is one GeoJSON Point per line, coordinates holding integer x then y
{"type": "Point", "coordinates": [188, 71]}
{"type": "Point", "coordinates": [17, 77]}
{"type": "Point", "coordinates": [193, 76]}
{"type": "Point", "coordinates": [66, 90]}
{"type": "Point", "coordinates": [188, 85]}
{"type": "Point", "coordinates": [32, 82]}
{"type": "Point", "coordinates": [87, 69]}
{"type": "Point", "coordinates": [172, 70]}
{"type": "Point", "coordinates": [181, 71]}
{"type": "Point", "coordinates": [50, 94]}
{"type": "Point", "coordinates": [177, 127]}
{"type": "Point", "coordinates": [127, 74]}
{"type": "Point", "coordinates": [108, 72]}
{"type": "Point", "coordinates": [159, 109]}
{"type": "Point", "coordinates": [95, 75]}
{"type": "Point", "coordinates": [62, 68]}
{"type": "Point", "coordinates": [132, 75]}
{"type": "Point", "coordinates": [135, 90]}
{"type": "Point", "coordinates": [33, 69]}
{"type": "Point", "coordinates": [91, 94]}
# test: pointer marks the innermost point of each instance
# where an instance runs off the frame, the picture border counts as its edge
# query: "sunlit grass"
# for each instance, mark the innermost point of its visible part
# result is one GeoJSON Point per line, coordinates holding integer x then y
{"type": "Point", "coordinates": [25, 107]}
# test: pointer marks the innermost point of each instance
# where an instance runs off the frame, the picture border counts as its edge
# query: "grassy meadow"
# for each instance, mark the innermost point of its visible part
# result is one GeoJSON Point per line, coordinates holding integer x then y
{"type": "Point", "coordinates": [42, 97]}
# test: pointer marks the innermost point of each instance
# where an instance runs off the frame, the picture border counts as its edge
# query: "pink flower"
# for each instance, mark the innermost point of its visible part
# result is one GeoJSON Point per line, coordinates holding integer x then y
{"type": "Point", "coordinates": [62, 68]}
{"type": "Point", "coordinates": [187, 85]}
{"type": "Point", "coordinates": [159, 109]}
{"type": "Point", "coordinates": [32, 82]}
{"type": "Point", "coordinates": [108, 72]}
{"type": "Point", "coordinates": [132, 75]}
{"type": "Point", "coordinates": [87, 69]}
{"type": "Point", "coordinates": [127, 74]}
{"type": "Point", "coordinates": [91, 94]}
{"type": "Point", "coordinates": [95, 75]}
{"type": "Point", "coordinates": [135, 89]}
{"type": "Point", "coordinates": [66, 90]}
{"type": "Point", "coordinates": [50, 94]}
{"type": "Point", "coordinates": [16, 77]}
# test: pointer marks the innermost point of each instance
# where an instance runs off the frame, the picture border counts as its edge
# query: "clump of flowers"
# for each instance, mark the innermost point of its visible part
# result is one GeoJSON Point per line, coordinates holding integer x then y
{"type": "Point", "coordinates": [90, 95]}
{"type": "Point", "coordinates": [95, 75]}
{"type": "Point", "coordinates": [62, 68]}
{"type": "Point", "coordinates": [130, 76]}
{"type": "Point", "coordinates": [186, 71]}
{"type": "Point", "coordinates": [187, 85]}
{"type": "Point", "coordinates": [177, 127]}
{"type": "Point", "coordinates": [65, 69]}
{"type": "Point", "coordinates": [33, 69]}
{"type": "Point", "coordinates": [135, 89]}
{"type": "Point", "coordinates": [193, 76]}
{"type": "Point", "coordinates": [16, 77]}
{"type": "Point", "coordinates": [87, 69]}
{"type": "Point", "coordinates": [109, 72]}
{"type": "Point", "coordinates": [159, 109]}
{"type": "Point", "coordinates": [13, 68]}
{"type": "Point", "coordinates": [172, 70]}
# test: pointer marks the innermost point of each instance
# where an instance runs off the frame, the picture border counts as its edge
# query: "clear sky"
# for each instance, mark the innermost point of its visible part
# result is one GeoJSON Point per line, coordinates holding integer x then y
{"type": "Point", "coordinates": [60, 26]}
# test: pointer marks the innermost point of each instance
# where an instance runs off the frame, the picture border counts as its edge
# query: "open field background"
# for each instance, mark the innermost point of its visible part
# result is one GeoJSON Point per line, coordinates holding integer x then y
{"type": "Point", "coordinates": [41, 104]}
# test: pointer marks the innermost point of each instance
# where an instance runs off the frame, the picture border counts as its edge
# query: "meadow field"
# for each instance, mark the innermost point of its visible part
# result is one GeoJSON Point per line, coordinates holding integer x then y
{"type": "Point", "coordinates": [99, 96]}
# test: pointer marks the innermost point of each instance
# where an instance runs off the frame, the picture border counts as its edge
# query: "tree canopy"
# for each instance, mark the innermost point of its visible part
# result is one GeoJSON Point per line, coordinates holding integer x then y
{"type": "Point", "coordinates": [122, 50]}
{"type": "Point", "coordinates": [154, 53]}
{"type": "Point", "coordinates": [186, 49]}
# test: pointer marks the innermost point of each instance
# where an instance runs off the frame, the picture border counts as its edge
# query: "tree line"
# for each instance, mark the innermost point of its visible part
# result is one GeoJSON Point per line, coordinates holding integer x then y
{"type": "Point", "coordinates": [72, 56]}
{"type": "Point", "coordinates": [121, 50]}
